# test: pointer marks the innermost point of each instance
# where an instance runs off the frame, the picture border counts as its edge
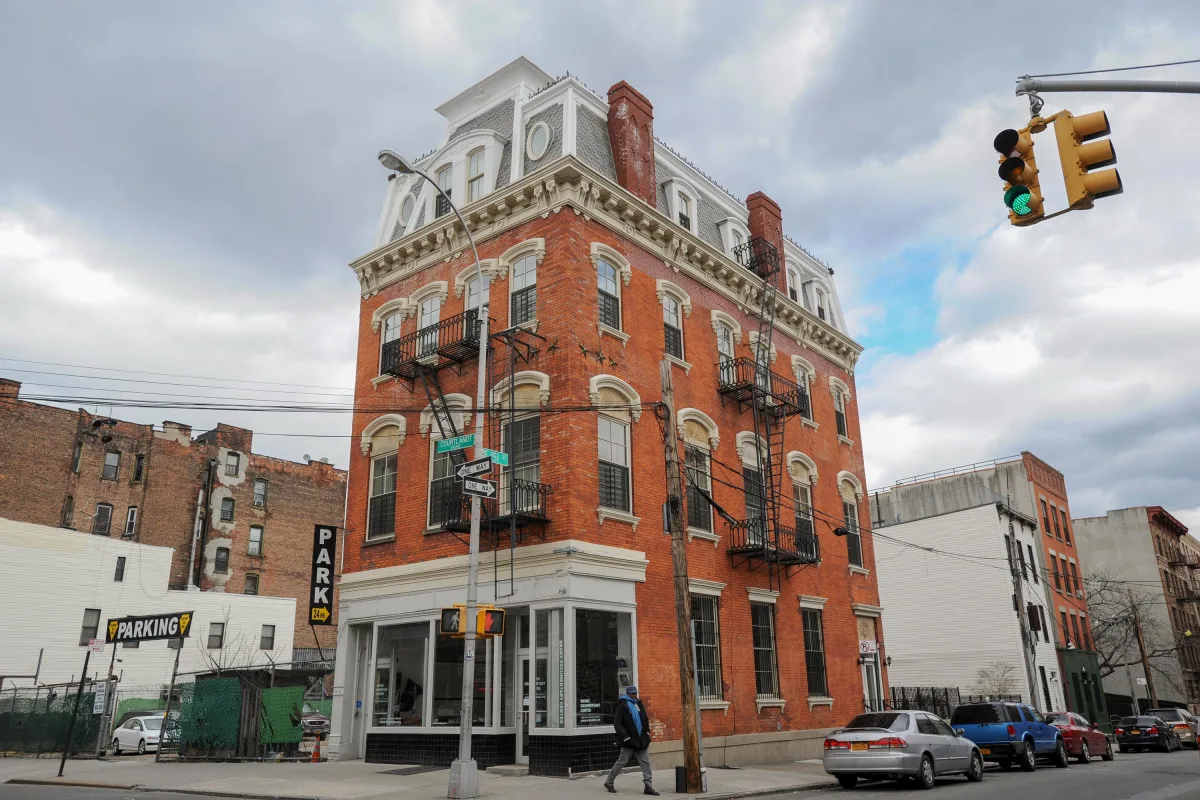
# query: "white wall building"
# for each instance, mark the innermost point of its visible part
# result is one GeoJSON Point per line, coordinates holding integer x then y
{"type": "Point", "coordinates": [951, 602]}
{"type": "Point", "coordinates": [56, 584]}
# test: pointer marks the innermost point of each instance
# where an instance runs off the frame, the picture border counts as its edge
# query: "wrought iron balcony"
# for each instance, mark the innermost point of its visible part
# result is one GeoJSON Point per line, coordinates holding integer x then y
{"type": "Point", "coordinates": [742, 380]}
{"type": "Point", "coordinates": [759, 256]}
{"type": "Point", "coordinates": [451, 341]}
{"type": "Point", "coordinates": [1184, 560]}
{"type": "Point", "coordinates": [751, 538]}
{"type": "Point", "coordinates": [523, 500]}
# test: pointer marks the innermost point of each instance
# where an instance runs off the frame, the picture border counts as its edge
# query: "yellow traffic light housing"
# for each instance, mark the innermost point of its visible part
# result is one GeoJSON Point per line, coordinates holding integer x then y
{"type": "Point", "coordinates": [1079, 154]}
{"type": "Point", "coordinates": [1018, 170]}
{"type": "Point", "coordinates": [490, 621]}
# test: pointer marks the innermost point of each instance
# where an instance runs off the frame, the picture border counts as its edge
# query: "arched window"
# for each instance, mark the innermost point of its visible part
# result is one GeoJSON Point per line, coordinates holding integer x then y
{"type": "Point", "coordinates": [700, 438]}
{"type": "Point", "coordinates": [619, 404]}
{"type": "Point", "coordinates": [676, 305]}
{"type": "Point", "coordinates": [850, 488]}
{"type": "Point", "coordinates": [610, 294]}
{"type": "Point", "coordinates": [841, 393]}
{"type": "Point", "coordinates": [445, 177]}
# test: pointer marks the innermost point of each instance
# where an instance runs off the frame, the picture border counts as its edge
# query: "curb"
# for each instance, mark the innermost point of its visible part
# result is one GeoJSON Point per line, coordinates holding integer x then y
{"type": "Point", "coordinates": [793, 789]}
{"type": "Point", "coordinates": [65, 782]}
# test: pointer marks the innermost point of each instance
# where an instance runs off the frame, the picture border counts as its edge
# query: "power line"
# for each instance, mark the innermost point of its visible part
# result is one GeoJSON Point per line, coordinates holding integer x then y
{"type": "Point", "coordinates": [1113, 69]}
{"type": "Point", "coordinates": [162, 374]}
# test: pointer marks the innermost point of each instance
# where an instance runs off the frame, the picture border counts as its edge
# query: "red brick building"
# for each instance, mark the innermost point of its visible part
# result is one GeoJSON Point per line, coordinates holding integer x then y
{"type": "Point", "coordinates": [606, 252]}
{"type": "Point", "coordinates": [238, 521]}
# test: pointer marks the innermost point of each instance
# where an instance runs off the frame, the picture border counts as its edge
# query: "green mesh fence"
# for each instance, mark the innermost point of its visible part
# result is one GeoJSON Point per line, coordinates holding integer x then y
{"type": "Point", "coordinates": [322, 707]}
{"type": "Point", "coordinates": [210, 715]}
{"type": "Point", "coordinates": [36, 721]}
{"type": "Point", "coordinates": [278, 722]}
{"type": "Point", "coordinates": [138, 706]}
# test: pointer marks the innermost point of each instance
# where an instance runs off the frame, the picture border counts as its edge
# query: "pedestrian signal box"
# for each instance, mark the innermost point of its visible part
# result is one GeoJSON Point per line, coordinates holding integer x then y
{"type": "Point", "coordinates": [452, 621]}
{"type": "Point", "coordinates": [489, 621]}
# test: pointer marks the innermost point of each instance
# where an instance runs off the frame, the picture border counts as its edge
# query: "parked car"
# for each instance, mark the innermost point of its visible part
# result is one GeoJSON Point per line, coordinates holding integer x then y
{"type": "Point", "coordinates": [900, 744]}
{"type": "Point", "coordinates": [313, 721]}
{"type": "Point", "coordinates": [1138, 734]}
{"type": "Point", "coordinates": [1010, 732]}
{"type": "Point", "coordinates": [1082, 738]}
{"type": "Point", "coordinates": [1182, 720]}
{"type": "Point", "coordinates": [139, 733]}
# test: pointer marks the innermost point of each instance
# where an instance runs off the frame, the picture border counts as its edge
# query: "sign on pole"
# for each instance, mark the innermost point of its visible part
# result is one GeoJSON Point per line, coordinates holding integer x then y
{"type": "Point", "coordinates": [497, 456]}
{"type": "Point", "coordinates": [1141, 681]}
{"type": "Point", "coordinates": [143, 629]}
{"type": "Point", "coordinates": [96, 645]}
{"type": "Point", "coordinates": [473, 468]}
{"type": "Point", "coordinates": [479, 487]}
{"type": "Point", "coordinates": [98, 703]}
{"type": "Point", "coordinates": [456, 443]}
{"type": "Point", "coordinates": [320, 606]}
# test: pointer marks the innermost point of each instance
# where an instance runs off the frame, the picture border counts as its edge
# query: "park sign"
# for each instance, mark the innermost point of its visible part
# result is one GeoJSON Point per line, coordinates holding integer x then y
{"type": "Point", "coordinates": [320, 599]}
{"type": "Point", "coordinates": [143, 629]}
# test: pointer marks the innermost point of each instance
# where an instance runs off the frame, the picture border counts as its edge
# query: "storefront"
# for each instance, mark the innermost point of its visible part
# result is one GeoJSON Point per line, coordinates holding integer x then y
{"type": "Point", "coordinates": [544, 692]}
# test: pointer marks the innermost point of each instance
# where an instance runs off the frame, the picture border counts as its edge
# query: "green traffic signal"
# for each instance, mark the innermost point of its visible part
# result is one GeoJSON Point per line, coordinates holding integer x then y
{"type": "Point", "coordinates": [1017, 199]}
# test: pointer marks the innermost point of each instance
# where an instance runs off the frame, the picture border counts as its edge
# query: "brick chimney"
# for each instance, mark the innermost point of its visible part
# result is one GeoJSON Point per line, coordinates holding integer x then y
{"type": "Point", "coordinates": [9, 389]}
{"type": "Point", "coordinates": [631, 134]}
{"type": "Point", "coordinates": [766, 222]}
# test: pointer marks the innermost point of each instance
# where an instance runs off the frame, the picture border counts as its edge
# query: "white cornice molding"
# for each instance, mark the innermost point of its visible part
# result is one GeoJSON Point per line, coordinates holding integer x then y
{"type": "Point", "coordinates": [758, 595]}
{"type": "Point", "coordinates": [569, 183]}
{"type": "Point", "coordinates": [705, 587]}
{"type": "Point", "coordinates": [866, 610]}
{"type": "Point", "coordinates": [808, 601]}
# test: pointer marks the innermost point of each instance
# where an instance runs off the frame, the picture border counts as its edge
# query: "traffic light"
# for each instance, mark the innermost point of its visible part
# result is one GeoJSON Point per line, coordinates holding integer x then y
{"type": "Point", "coordinates": [452, 621]}
{"type": "Point", "coordinates": [490, 622]}
{"type": "Point", "coordinates": [1079, 154]}
{"type": "Point", "coordinates": [1018, 170]}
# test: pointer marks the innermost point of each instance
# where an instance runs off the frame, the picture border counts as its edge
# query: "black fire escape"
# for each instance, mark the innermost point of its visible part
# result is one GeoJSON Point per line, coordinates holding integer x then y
{"type": "Point", "coordinates": [762, 538]}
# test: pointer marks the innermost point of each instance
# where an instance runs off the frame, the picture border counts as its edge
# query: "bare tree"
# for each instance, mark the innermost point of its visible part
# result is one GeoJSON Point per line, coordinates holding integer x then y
{"type": "Point", "coordinates": [995, 679]}
{"type": "Point", "coordinates": [1112, 603]}
{"type": "Point", "coordinates": [233, 653]}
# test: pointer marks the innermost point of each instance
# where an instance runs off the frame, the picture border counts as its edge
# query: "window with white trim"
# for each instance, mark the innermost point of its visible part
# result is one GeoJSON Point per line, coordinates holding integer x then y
{"type": "Point", "coordinates": [685, 211]}
{"type": "Point", "coordinates": [708, 646]}
{"type": "Point", "coordinates": [699, 483]}
{"type": "Point", "coordinates": [814, 651]}
{"type": "Point", "coordinates": [756, 503]}
{"type": "Point", "coordinates": [441, 206]}
{"type": "Point", "coordinates": [475, 300]}
{"type": "Point", "coordinates": [102, 519]}
{"type": "Point", "coordinates": [390, 333]}
{"type": "Point", "coordinates": [839, 410]}
{"type": "Point", "coordinates": [725, 352]}
{"type": "Point", "coordinates": [90, 626]}
{"type": "Point", "coordinates": [737, 237]}
{"type": "Point", "coordinates": [381, 508]}
{"type": "Point", "coordinates": [762, 630]}
{"type": "Point", "coordinates": [519, 481]}
{"type": "Point", "coordinates": [802, 508]}
{"type": "Point", "coordinates": [427, 321]}
{"type": "Point", "coordinates": [820, 303]}
{"type": "Point", "coordinates": [610, 294]}
{"type": "Point", "coordinates": [613, 439]}
{"type": "Point", "coordinates": [475, 176]}
{"type": "Point", "coordinates": [524, 291]}
{"type": "Point", "coordinates": [131, 521]}
{"type": "Point", "coordinates": [266, 640]}
{"type": "Point", "coordinates": [793, 285]}
{"type": "Point", "coordinates": [853, 537]}
{"type": "Point", "coordinates": [216, 635]}
{"type": "Point", "coordinates": [672, 327]}
{"type": "Point", "coordinates": [445, 491]}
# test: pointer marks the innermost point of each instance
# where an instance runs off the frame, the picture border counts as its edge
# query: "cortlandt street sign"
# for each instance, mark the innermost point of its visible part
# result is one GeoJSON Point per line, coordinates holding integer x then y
{"type": "Point", "coordinates": [320, 607]}
{"type": "Point", "coordinates": [143, 629]}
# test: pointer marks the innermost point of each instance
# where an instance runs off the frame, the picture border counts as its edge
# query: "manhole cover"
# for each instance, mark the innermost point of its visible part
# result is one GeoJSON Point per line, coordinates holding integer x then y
{"type": "Point", "coordinates": [417, 770]}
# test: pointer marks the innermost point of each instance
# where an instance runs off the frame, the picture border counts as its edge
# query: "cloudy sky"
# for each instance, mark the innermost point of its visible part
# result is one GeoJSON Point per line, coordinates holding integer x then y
{"type": "Point", "coordinates": [182, 186]}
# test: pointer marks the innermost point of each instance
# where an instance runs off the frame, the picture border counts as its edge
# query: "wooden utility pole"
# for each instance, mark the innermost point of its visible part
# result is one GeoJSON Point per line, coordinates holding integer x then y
{"type": "Point", "coordinates": [1137, 621]}
{"type": "Point", "coordinates": [683, 599]}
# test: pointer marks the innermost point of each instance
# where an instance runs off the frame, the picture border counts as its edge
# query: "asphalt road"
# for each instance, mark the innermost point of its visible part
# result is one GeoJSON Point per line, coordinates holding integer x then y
{"type": "Point", "coordinates": [10, 791]}
{"type": "Point", "coordinates": [1144, 776]}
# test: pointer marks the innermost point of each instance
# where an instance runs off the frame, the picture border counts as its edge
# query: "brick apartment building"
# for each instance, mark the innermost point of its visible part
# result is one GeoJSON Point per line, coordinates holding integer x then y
{"type": "Point", "coordinates": [250, 533]}
{"type": "Point", "coordinates": [606, 253]}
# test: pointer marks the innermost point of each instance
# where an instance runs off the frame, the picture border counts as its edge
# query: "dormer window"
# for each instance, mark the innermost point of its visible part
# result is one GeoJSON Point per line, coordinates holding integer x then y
{"type": "Point", "coordinates": [475, 176]}
{"type": "Point", "coordinates": [441, 206]}
{"type": "Point", "coordinates": [685, 211]}
{"type": "Point", "coordinates": [683, 203]}
{"type": "Point", "coordinates": [821, 304]}
{"type": "Point", "coordinates": [738, 239]}
{"type": "Point", "coordinates": [406, 209]}
{"type": "Point", "coordinates": [793, 285]}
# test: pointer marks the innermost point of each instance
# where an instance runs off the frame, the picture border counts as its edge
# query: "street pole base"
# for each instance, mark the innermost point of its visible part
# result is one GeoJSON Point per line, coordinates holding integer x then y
{"type": "Point", "coordinates": [464, 780]}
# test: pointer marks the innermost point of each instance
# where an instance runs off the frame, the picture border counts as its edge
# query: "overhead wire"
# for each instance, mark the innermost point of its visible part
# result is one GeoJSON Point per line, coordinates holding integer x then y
{"type": "Point", "coordinates": [1113, 69]}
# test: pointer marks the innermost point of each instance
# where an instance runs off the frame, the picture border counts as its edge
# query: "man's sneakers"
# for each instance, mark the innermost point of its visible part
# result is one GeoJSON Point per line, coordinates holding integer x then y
{"type": "Point", "coordinates": [612, 789]}
{"type": "Point", "coordinates": [650, 790]}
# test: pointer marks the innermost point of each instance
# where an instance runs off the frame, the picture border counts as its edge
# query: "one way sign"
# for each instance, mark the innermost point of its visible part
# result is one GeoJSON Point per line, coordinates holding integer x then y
{"type": "Point", "coordinates": [473, 468]}
{"type": "Point", "coordinates": [320, 606]}
{"type": "Point", "coordinates": [479, 488]}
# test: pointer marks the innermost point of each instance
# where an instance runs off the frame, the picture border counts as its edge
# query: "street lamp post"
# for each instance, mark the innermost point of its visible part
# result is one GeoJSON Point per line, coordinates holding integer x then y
{"type": "Point", "coordinates": [464, 773]}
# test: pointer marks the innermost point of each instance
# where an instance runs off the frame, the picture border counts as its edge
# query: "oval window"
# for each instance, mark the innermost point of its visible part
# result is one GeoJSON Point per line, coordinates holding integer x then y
{"type": "Point", "coordinates": [539, 140]}
{"type": "Point", "coordinates": [406, 209]}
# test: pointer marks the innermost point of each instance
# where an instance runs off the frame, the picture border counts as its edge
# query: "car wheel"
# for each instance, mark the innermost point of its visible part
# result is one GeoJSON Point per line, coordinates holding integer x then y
{"type": "Point", "coordinates": [1028, 758]}
{"type": "Point", "coordinates": [142, 747]}
{"type": "Point", "coordinates": [848, 781]}
{"type": "Point", "coordinates": [925, 776]}
{"type": "Point", "coordinates": [116, 747]}
{"type": "Point", "coordinates": [1005, 764]}
{"type": "Point", "coordinates": [1060, 755]}
{"type": "Point", "coordinates": [975, 772]}
{"type": "Point", "coordinates": [1085, 755]}
{"type": "Point", "coordinates": [1108, 751]}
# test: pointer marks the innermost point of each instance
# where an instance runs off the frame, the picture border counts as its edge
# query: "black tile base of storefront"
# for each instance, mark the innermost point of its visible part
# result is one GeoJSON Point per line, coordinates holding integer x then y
{"type": "Point", "coordinates": [439, 749]}
{"type": "Point", "coordinates": [559, 756]}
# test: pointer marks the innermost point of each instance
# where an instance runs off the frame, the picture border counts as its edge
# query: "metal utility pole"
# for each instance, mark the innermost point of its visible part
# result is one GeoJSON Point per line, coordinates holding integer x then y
{"type": "Point", "coordinates": [1026, 634]}
{"type": "Point", "coordinates": [683, 602]}
{"type": "Point", "coordinates": [1137, 621]}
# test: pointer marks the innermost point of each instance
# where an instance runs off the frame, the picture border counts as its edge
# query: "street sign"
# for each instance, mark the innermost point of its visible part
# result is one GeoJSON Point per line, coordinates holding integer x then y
{"type": "Point", "coordinates": [95, 645]}
{"type": "Point", "coordinates": [867, 647]}
{"type": "Point", "coordinates": [1141, 681]}
{"type": "Point", "coordinates": [141, 629]}
{"type": "Point", "coordinates": [479, 487]}
{"type": "Point", "coordinates": [98, 703]}
{"type": "Point", "coordinates": [456, 443]}
{"type": "Point", "coordinates": [473, 468]}
{"type": "Point", "coordinates": [497, 456]}
{"type": "Point", "coordinates": [320, 595]}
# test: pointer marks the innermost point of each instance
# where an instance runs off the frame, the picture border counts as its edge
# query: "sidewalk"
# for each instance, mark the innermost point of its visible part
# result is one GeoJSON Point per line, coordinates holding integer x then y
{"type": "Point", "coordinates": [352, 780]}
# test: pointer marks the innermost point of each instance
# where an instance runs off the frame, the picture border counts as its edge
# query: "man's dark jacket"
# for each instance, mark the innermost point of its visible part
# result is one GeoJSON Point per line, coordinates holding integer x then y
{"type": "Point", "coordinates": [627, 735]}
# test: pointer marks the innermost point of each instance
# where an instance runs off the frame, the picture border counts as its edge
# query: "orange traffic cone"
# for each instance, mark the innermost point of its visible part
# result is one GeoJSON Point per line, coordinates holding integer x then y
{"type": "Point", "coordinates": [316, 755]}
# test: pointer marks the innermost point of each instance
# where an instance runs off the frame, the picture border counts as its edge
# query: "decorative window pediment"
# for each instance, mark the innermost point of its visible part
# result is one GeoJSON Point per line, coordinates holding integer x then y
{"type": "Point", "coordinates": [836, 384]}
{"type": "Point", "coordinates": [612, 392]}
{"type": "Point", "coordinates": [696, 427]}
{"type": "Point", "coordinates": [399, 305]}
{"type": "Point", "coordinates": [850, 486]}
{"type": "Point", "coordinates": [721, 318]}
{"type": "Point", "coordinates": [383, 434]}
{"type": "Point", "coordinates": [803, 370]}
{"type": "Point", "coordinates": [665, 287]}
{"type": "Point", "coordinates": [533, 390]}
{"type": "Point", "coordinates": [802, 468]}
{"type": "Point", "coordinates": [458, 404]}
{"type": "Point", "coordinates": [745, 447]}
{"type": "Point", "coordinates": [437, 288]}
{"type": "Point", "coordinates": [490, 268]}
{"type": "Point", "coordinates": [603, 251]}
{"type": "Point", "coordinates": [535, 247]}
{"type": "Point", "coordinates": [754, 347]}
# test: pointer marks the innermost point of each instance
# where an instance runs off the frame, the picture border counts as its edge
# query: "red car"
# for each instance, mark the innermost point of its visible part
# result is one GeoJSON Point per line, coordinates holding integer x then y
{"type": "Point", "coordinates": [1083, 738]}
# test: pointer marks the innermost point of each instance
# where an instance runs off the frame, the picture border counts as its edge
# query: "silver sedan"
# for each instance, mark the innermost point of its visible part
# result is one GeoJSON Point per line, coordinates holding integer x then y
{"type": "Point", "coordinates": [900, 744]}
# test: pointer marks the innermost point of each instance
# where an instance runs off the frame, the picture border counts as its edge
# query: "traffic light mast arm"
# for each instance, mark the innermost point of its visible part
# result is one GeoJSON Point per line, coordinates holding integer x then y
{"type": "Point", "coordinates": [1033, 86]}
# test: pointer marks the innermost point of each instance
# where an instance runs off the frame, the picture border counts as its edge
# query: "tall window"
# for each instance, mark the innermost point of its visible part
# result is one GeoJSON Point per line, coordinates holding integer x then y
{"type": "Point", "coordinates": [762, 629]}
{"type": "Point", "coordinates": [381, 511]}
{"type": "Point", "coordinates": [390, 333]}
{"type": "Point", "coordinates": [1075, 630]}
{"type": "Point", "coordinates": [255, 546]}
{"type": "Point", "coordinates": [102, 520]}
{"type": "Point", "coordinates": [251, 586]}
{"type": "Point", "coordinates": [221, 566]}
{"type": "Point", "coordinates": [1033, 563]}
{"type": "Point", "coordinates": [610, 294]}
{"type": "Point", "coordinates": [260, 493]}
{"type": "Point", "coordinates": [1045, 517]}
{"type": "Point", "coordinates": [802, 378]}
{"type": "Point", "coordinates": [524, 442]}
{"type": "Point", "coordinates": [708, 647]}
{"type": "Point", "coordinates": [814, 652]}
{"type": "Point", "coordinates": [119, 575]}
{"type": "Point", "coordinates": [216, 635]}
{"type": "Point", "coordinates": [445, 491]}
{"type": "Point", "coordinates": [1055, 573]}
{"type": "Point", "coordinates": [839, 410]}
{"type": "Point", "coordinates": [1066, 631]}
{"type": "Point", "coordinates": [112, 465]}
{"type": "Point", "coordinates": [1054, 520]}
{"type": "Point", "coordinates": [1075, 578]}
{"type": "Point", "coordinates": [77, 457]}
{"type": "Point", "coordinates": [131, 521]}
{"type": "Point", "coordinates": [441, 206]}
{"type": "Point", "coordinates": [756, 505]}
{"type": "Point", "coordinates": [68, 511]}
{"type": "Point", "coordinates": [475, 176]}
{"type": "Point", "coordinates": [226, 509]}
{"type": "Point", "coordinates": [1066, 577]}
{"type": "Point", "coordinates": [431, 310]}
{"type": "Point", "coordinates": [1065, 528]}
{"type": "Point", "coordinates": [698, 484]}
{"type": "Point", "coordinates": [139, 467]}
{"type": "Point", "coordinates": [91, 624]}
{"type": "Point", "coordinates": [853, 537]}
{"type": "Point", "coordinates": [475, 300]}
{"type": "Point", "coordinates": [805, 532]}
{"type": "Point", "coordinates": [672, 326]}
{"type": "Point", "coordinates": [725, 352]}
{"type": "Point", "coordinates": [1021, 558]}
{"type": "Point", "coordinates": [1045, 625]}
{"type": "Point", "coordinates": [233, 462]}
{"type": "Point", "coordinates": [524, 291]}
{"type": "Point", "coordinates": [266, 640]}
{"type": "Point", "coordinates": [793, 285]}
{"type": "Point", "coordinates": [820, 304]}
{"type": "Point", "coordinates": [1086, 639]}
{"type": "Point", "coordinates": [613, 439]}
{"type": "Point", "coordinates": [685, 211]}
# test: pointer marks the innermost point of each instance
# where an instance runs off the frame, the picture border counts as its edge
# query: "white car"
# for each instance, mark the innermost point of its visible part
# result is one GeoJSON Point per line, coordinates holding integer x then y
{"type": "Point", "coordinates": [138, 734]}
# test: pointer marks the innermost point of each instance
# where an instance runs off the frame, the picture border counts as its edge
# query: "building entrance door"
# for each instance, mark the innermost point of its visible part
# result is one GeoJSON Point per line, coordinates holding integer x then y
{"type": "Point", "coordinates": [872, 690]}
{"type": "Point", "coordinates": [524, 706]}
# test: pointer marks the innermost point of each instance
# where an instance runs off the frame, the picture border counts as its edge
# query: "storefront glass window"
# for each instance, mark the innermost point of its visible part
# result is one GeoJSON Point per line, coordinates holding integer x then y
{"type": "Point", "coordinates": [549, 682]}
{"type": "Point", "coordinates": [603, 664]}
{"type": "Point", "coordinates": [400, 675]}
{"type": "Point", "coordinates": [447, 682]}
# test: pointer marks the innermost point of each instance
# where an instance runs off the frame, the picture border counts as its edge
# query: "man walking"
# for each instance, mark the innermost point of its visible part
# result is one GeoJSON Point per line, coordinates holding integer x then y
{"type": "Point", "coordinates": [633, 737]}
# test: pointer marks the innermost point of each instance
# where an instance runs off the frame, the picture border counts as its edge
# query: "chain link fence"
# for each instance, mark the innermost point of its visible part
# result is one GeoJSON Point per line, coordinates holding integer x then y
{"type": "Point", "coordinates": [35, 720]}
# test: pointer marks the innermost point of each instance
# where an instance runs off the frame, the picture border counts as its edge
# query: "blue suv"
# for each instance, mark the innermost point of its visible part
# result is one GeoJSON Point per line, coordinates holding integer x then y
{"type": "Point", "coordinates": [1010, 732]}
